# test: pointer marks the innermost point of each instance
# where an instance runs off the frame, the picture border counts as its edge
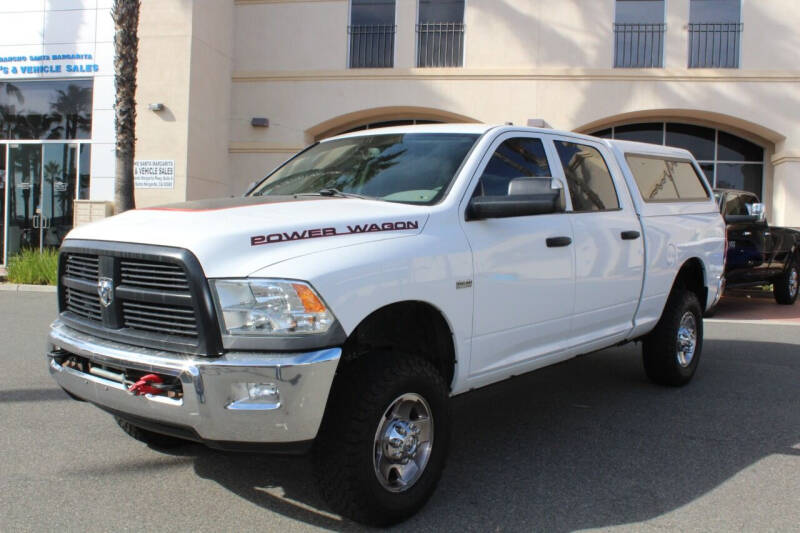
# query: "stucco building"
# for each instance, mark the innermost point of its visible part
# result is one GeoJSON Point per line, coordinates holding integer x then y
{"type": "Point", "coordinates": [228, 89]}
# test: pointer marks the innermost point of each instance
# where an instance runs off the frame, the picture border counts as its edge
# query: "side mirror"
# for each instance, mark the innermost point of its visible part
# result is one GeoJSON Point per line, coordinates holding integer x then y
{"type": "Point", "coordinates": [757, 210]}
{"type": "Point", "coordinates": [527, 196]}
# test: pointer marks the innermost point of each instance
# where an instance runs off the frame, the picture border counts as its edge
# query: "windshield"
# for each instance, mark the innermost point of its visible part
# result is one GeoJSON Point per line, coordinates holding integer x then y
{"type": "Point", "coordinates": [414, 168]}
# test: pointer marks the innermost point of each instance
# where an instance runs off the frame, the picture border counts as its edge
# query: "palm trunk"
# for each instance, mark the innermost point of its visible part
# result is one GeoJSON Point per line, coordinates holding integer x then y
{"type": "Point", "coordinates": [126, 43]}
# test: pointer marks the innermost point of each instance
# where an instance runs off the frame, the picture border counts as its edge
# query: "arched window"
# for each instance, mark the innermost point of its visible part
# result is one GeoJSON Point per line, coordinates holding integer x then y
{"type": "Point", "coordinates": [729, 161]}
{"type": "Point", "coordinates": [390, 123]}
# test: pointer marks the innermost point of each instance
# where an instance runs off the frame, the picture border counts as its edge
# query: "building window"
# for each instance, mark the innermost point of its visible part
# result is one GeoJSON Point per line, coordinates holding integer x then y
{"type": "Point", "coordinates": [371, 32]}
{"type": "Point", "coordinates": [388, 124]}
{"type": "Point", "coordinates": [50, 110]}
{"type": "Point", "coordinates": [440, 33]}
{"type": "Point", "coordinates": [714, 33]}
{"type": "Point", "coordinates": [728, 161]}
{"type": "Point", "coordinates": [639, 34]}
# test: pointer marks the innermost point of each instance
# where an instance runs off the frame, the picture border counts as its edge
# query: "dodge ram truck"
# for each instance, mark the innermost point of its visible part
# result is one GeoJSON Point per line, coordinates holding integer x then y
{"type": "Point", "coordinates": [339, 305]}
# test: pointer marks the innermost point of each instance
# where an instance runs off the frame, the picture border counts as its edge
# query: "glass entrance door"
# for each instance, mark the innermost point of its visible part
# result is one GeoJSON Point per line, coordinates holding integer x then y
{"type": "Point", "coordinates": [24, 189]}
{"type": "Point", "coordinates": [41, 189]}
{"type": "Point", "coordinates": [59, 179]}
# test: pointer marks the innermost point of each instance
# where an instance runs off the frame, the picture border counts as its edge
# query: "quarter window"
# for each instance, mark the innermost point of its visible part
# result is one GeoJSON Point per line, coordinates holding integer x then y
{"type": "Point", "coordinates": [516, 158]}
{"type": "Point", "coordinates": [590, 184]}
{"type": "Point", "coordinates": [665, 180]}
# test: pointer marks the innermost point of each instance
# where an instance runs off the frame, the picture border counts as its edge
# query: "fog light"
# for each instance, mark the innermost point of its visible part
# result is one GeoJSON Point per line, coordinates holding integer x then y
{"type": "Point", "coordinates": [254, 396]}
{"type": "Point", "coordinates": [263, 392]}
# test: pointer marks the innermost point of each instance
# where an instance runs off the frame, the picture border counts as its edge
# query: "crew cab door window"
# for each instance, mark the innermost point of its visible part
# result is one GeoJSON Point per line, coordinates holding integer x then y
{"type": "Point", "coordinates": [520, 157]}
{"type": "Point", "coordinates": [590, 185]}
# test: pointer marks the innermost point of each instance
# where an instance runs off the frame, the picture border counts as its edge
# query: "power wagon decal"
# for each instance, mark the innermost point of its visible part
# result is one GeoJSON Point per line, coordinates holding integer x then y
{"type": "Point", "coordinates": [316, 233]}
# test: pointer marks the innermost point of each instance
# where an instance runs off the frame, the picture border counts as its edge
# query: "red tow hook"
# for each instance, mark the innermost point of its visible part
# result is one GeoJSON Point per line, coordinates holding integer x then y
{"type": "Point", "coordinates": [145, 385]}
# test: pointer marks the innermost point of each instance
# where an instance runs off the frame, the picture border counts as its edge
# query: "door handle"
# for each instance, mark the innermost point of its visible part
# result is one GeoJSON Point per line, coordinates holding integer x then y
{"type": "Point", "coordinates": [45, 222]}
{"type": "Point", "coordinates": [36, 221]}
{"type": "Point", "coordinates": [555, 242]}
{"type": "Point", "coordinates": [629, 235]}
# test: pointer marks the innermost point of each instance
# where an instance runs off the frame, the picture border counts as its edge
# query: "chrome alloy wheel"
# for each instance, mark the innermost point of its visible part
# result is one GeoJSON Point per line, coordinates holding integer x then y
{"type": "Point", "coordinates": [403, 442]}
{"type": "Point", "coordinates": [793, 282]}
{"type": "Point", "coordinates": [687, 339]}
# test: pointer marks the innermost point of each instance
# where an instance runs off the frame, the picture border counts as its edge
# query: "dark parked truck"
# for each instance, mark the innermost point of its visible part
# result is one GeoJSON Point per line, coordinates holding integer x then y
{"type": "Point", "coordinates": [757, 253]}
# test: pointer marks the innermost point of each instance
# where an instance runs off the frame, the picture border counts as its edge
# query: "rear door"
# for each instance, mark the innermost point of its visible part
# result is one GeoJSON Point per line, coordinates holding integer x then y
{"type": "Point", "coordinates": [609, 249]}
{"type": "Point", "coordinates": [523, 266]}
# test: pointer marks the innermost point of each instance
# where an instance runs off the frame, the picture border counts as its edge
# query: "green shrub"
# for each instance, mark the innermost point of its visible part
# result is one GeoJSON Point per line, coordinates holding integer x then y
{"type": "Point", "coordinates": [34, 268]}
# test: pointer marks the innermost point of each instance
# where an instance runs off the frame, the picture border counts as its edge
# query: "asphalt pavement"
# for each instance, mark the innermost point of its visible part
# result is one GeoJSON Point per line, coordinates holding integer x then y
{"type": "Point", "coordinates": [586, 444]}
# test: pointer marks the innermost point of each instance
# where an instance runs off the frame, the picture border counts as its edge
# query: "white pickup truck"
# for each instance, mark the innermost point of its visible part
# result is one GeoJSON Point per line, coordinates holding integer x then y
{"type": "Point", "coordinates": [342, 301]}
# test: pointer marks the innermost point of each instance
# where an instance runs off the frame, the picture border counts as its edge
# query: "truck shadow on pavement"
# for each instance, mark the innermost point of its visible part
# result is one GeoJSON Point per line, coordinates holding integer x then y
{"type": "Point", "coordinates": [587, 443]}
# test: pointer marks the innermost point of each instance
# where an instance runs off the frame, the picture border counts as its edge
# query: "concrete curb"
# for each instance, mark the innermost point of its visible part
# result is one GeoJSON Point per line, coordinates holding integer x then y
{"type": "Point", "coordinates": [14, 287]}
{"type": "Point", "coordinates": [764, 322]}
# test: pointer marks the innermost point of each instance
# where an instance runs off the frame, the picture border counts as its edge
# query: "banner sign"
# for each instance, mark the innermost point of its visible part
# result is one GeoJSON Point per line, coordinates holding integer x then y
{"type": "Point", "coordinates": [42, 65]}
{"type": "Point", "coordinates": [154, 173]}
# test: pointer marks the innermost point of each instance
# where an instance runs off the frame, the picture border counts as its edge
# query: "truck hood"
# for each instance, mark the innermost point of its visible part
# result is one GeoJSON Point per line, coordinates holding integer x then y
{"type": "Point", "coordinates": [235, 237]}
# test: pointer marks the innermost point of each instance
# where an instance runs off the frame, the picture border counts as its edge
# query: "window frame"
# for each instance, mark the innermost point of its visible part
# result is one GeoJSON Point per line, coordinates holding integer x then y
{"type": "Point", "coordinates": [349, 36]}
{"type": "Point", "coordinates": [416, 37]}
{"type": "Point", "coordinates": [600, 149]}
{"type": "Point", "coordinates": [550, 152]}
{"type": "Point", "coordinates": [663, 37]}
{"type": "Point", "coordinates": [692, 163]}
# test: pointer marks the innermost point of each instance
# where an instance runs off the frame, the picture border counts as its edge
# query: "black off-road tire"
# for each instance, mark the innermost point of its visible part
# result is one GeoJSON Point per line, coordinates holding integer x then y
{"type": "Point", "coordinates": [782, 288]}
{"type": "Point", "coordinates": [151, 438]}
{"type": "Point", "coordinates": [660, 352]}
{"type": "Point", "coordinates": [345, 447]}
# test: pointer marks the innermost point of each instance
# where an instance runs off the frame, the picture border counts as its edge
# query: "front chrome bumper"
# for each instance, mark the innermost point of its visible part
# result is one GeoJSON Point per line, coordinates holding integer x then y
{"type": "Point", "coordinates": [211, 405]}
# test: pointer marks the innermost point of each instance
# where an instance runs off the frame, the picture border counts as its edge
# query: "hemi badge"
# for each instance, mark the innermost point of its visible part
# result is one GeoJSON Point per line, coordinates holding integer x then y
{"type": "Point", "coordinates": [466, 284]}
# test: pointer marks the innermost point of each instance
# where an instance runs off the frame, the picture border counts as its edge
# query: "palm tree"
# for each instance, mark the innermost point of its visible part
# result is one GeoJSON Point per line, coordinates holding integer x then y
{"type": "Point", "coordinates": [126, 43]}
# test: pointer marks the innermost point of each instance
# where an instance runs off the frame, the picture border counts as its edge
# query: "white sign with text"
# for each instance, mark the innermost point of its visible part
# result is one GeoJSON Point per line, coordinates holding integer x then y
{"type": "Point", "coordinates": [154, 173]}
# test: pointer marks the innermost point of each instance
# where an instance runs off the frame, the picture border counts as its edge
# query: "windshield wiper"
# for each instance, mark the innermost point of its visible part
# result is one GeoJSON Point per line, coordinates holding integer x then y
{"type": "Point", "coordinates": [330, 191]}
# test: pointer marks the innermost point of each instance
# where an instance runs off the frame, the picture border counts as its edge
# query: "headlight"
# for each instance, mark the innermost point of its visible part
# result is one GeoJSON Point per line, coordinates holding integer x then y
{"type": "Point", "coordinates": [270, 307]}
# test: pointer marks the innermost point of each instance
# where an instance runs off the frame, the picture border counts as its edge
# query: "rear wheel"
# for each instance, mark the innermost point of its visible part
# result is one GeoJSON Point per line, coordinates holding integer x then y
{"type": "Point", "coordinates": [381, 448]}
{"type": "Point", "coordinates": [151, 438]}
{"type": "Point", "coordinates": [671, 352]}
{"type": "Point", "coordinates": [785, 287]}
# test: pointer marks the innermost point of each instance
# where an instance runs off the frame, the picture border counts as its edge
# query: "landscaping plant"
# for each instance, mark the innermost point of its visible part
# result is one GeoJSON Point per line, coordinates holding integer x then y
{"type": "Point", "coordinates": [33, 267]}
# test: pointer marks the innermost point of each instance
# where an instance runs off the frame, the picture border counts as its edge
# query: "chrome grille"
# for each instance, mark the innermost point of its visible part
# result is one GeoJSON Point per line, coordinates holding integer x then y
{"type": "Point", "coordinates": [82, 304]}
{"type": "Point", "coordinates": [164, 319]}
{"type": "Point", "coordinates": [153, 275]}
{"type": "Point", "coordinates": [83, 266]}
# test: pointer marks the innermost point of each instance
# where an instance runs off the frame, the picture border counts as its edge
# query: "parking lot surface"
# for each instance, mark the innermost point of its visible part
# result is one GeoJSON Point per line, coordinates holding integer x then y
{"type": "Point", "coordinates": [587, 444]}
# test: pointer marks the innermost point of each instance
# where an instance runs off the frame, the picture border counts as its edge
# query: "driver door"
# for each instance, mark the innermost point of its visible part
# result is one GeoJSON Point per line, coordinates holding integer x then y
{"type": "Point", "coordinates": [524, 286]}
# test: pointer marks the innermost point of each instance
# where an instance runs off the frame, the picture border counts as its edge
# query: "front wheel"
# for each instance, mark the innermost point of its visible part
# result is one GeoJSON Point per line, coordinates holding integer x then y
{"type": "Point", "coordinates": [382, 445]}
{"type": "Point", "coordinates": [671, 352]}
{"type": "Point", "coordinates": [785, 287]}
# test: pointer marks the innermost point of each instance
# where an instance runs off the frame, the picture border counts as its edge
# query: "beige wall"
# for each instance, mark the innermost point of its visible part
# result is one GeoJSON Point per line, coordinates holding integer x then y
{"type": "Point", "coordinates": [209, 99]}
{"type": "Point", "coordinates": [227, 61]}
{"type": "Point", "coordinates": [163, 76]}
{"type": "Point", "coordinates": [185, 63]}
